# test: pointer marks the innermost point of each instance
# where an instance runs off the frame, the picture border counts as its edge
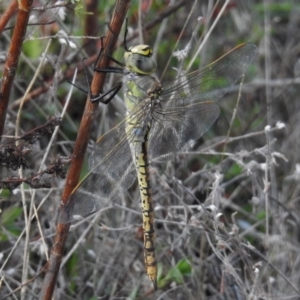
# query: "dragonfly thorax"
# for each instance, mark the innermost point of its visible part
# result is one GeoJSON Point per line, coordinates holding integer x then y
{"type": "Point", "coordinates": [138, 59]}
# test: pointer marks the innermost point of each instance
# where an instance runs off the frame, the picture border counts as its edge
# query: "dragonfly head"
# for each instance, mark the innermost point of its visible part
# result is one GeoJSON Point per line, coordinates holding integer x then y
{"type": "Point", "coordinates": [138, 59]}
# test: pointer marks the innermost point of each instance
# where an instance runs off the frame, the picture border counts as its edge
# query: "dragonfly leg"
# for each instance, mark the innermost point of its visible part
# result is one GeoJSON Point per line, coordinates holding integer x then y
{"type": "Point", "coordinates": [114, 90]}
{"type": "Point", "coordinates": [110, 70]}
{"type": "Point", "coordinates": [78, 87]}
{"type": "Point", "coordinates": [111, 58]}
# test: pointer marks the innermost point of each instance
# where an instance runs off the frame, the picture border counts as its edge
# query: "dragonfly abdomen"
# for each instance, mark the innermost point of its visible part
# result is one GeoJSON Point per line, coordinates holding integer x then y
{"type": "Point", "coordinates": [142, 167]}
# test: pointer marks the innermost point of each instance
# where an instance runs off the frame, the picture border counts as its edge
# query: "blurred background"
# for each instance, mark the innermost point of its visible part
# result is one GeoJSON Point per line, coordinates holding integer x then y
{"type": "Point", "coordinates": [227, 211]}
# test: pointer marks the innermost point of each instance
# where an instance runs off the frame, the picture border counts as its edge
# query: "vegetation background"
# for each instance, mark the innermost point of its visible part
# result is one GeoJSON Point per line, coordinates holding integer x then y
{"type": "Point", "coordinates": [227, 213]}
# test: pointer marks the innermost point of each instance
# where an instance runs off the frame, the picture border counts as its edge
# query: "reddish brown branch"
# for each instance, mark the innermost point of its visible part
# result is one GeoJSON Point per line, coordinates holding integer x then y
{"type": "Point", "coordinates": [11, 9]}
{"type": "Point", "coordinates": [13, 58]}
{"type": "Point", "coordinates": [80, 148]}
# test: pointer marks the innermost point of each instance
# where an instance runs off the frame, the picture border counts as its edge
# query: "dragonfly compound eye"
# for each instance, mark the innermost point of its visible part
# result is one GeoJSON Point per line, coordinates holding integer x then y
{"type": "Point", "coordinates": [138, 59]}
{"type": "Point", "coordinates": [143, 50]}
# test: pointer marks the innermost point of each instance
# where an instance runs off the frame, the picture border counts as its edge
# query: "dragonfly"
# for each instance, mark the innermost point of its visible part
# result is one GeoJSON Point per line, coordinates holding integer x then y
{"type": "Point", "coordinates": [160, 121]}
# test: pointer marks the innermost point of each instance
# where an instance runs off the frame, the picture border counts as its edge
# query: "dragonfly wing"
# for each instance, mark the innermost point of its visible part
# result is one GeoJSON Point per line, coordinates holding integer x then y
{"type": "Point", "coordinates": [177, 129]}
{"type": "Point", "coordinates": [214, 80]}
{"type": "Point", "coordinates": [111, 172]}
{"type": "Point", "coordinates": [189, 106]}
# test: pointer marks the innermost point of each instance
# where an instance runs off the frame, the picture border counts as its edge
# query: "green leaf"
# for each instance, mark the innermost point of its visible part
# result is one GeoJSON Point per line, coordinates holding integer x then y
{"type": "Point", "coordinates": [7, 221]}
{"type": "Point", "coordinates": [176, 273]}
{"type": "Point", "coordinates": [184, 266]}
{"type": "Point", "coordinates": [32, 48]}
{"type": "Point", "coordinates": [80, 9]}
{"type": "Point", "coordinates": [72, 265]}
{"type": "Point", "coordinates": [9, 215]}
{"type": "Point", "coordinates": [261, 215]}
{"type": "Point", "coordinates": [234, 170]}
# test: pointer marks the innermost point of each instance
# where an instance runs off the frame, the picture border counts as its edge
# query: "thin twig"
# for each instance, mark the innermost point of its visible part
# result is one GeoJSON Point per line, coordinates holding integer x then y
{"type": "Point", "coordinates": [208, 34]}
{"type": "Point", "coordinates": [234, 112]}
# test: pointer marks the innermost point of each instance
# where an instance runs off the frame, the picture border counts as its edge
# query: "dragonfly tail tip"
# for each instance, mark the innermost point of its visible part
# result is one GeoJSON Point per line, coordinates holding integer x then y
{"type": "Point", "coordinates": [154, 281]}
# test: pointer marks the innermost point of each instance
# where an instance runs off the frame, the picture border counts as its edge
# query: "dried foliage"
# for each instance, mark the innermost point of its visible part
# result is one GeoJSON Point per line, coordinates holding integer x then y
{"type": "Point", "coordinates": [227, 211]}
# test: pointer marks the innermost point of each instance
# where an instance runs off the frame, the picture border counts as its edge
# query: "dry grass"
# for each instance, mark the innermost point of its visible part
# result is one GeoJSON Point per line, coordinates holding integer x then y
{"type": "Point", "coordinates": [227, 212]}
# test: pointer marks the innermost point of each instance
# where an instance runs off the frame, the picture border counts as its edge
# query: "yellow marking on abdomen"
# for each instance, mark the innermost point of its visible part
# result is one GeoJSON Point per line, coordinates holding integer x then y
{"type": "Point", "coordinates": [142, 166]}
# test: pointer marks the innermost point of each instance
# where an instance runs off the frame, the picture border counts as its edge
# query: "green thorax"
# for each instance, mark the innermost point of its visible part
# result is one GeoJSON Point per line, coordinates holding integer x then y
{"type": "Point", "coordinates": [139, 77]}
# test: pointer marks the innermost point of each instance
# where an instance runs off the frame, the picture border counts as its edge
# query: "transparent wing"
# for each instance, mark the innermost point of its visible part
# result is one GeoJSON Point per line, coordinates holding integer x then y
{"type": "Point", "coordinates": [112, 171]}
{"type": "Point", "coordinates": [188, 107]}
